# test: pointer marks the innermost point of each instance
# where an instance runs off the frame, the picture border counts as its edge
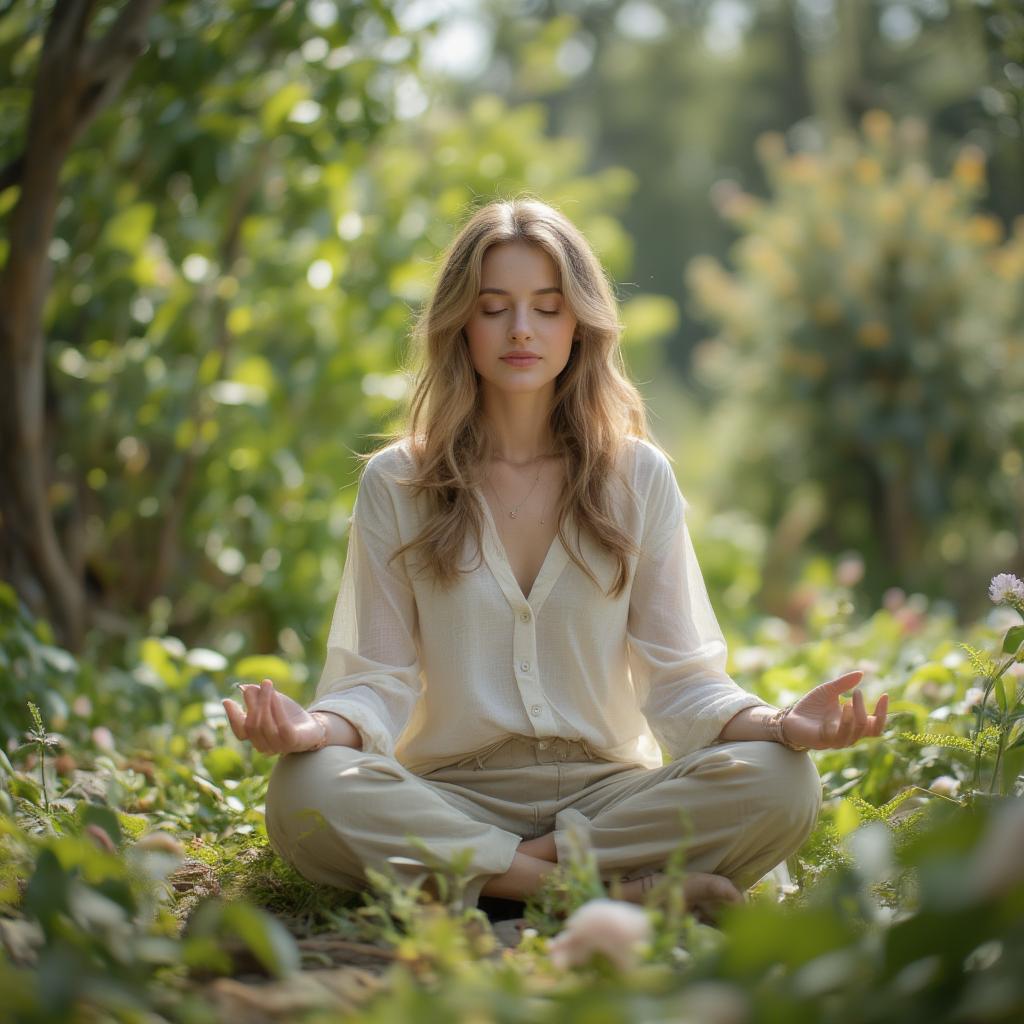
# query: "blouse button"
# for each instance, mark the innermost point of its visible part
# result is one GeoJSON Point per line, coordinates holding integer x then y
{"type": "Point", "coordinates": [535, 710]}
{"type": "Point", "coordinates": [525, 616]}
{"type": "Point", "coordinates": [525, 666]}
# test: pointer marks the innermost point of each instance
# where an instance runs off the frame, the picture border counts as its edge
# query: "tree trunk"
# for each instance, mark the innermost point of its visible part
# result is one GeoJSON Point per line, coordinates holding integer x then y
{"type": "Point", "coordinates": [75, 80]}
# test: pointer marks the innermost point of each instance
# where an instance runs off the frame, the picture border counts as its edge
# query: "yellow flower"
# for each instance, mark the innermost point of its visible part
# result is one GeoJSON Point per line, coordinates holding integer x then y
{"type": "Point", "coordinates": [803, 168]}
{"type": "Point", "coordinates": [889, 208]}
{"type": "Point", "coordinates": [985, 230]}
{"type": "Point", "coordinates": [868, 171]}
{"type": "Point", "coordinates": [969, 167]}
{"type": "Point", "coordinates": [877, 125]}
{"type": "Point", "coordinates": [873, 334]}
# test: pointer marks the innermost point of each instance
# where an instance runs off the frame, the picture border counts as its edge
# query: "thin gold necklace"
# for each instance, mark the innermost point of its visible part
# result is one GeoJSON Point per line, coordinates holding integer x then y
{"type": "Point", "coordinates": [514, 512]}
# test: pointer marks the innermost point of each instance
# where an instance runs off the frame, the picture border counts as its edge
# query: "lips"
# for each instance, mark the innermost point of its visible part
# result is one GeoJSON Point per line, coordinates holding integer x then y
{"type": "Point", "coordinates": [521, 359]}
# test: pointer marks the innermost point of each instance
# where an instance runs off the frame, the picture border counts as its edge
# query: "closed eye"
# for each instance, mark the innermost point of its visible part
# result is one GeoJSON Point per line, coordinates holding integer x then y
{"type": "Point", "coordinates": [495, 312]}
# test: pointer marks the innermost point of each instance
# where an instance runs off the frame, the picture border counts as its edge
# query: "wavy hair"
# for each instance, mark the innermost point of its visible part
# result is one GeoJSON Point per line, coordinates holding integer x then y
{"type": "Point", "coordinates": [595, 405]}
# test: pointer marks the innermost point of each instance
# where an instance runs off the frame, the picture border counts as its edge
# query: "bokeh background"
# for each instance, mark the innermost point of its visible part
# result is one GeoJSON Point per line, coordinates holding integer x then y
{"type": "Point", "coordinates": [218, 220]}
{"type": "Point", "coordinates": [812, 211]}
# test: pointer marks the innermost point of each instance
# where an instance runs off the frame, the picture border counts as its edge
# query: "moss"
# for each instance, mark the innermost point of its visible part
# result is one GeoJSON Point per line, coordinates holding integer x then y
{"type": "Point", "coordinates": [254, 872]}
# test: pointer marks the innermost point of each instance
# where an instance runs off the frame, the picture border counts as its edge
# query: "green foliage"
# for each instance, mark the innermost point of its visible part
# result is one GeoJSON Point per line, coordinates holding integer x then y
{"type": "Point", "coordinates": [244, 238]}
{"type": "Point", "coordinates": [870, 312]}
{"type": "Point", "coordinates": [906, 890]}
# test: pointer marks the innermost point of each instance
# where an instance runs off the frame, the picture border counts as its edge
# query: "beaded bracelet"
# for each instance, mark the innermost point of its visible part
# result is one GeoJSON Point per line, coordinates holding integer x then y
{"type": "Point", "coordinates": [775, 728]}
{"type": "Point", "coordinates": [323, 739]}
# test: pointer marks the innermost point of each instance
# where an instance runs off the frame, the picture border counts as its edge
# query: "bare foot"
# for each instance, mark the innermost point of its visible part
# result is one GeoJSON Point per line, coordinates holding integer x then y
{"type": "Point", "coordinates": [705, 894]}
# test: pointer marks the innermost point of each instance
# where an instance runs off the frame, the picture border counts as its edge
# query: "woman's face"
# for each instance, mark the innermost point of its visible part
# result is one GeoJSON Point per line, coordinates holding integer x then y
{"type": "Point", "coordinates": [520, 309]}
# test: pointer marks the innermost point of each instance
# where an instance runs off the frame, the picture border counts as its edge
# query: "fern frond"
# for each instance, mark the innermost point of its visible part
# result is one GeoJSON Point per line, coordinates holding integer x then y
{"type": "Point", "coordinates": [939, 739]}
{"type": "Point", "coordinates": [982, 664]}
{"type": "Point", "coordinates": [888, 809]}
{"type": "Point", "coordinates": [867, 811]}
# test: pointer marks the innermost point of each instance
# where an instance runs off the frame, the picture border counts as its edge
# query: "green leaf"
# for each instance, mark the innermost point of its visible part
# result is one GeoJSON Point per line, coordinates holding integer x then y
{"type": "Point", "coordinates": [1001, 698]}
{"type": "Point", "coordinates": [847, 818]}
{"type": "Point", "coordinates": [130, 228]}
{"type": "Point", "coordinates": [269, 940]}
{"type": "Point", "coordinates": [265, 666]}
{"type": "Point", "coordinates": [224, 763]}
{"type": "Point", "coordinates": [155, 657]}
{"type": "Point", "coordinates": [1013, 639]}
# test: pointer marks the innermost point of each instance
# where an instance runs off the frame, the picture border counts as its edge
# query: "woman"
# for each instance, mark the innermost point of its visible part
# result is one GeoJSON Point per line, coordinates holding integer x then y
{"type": "Point", "coordinates": [522, 626]}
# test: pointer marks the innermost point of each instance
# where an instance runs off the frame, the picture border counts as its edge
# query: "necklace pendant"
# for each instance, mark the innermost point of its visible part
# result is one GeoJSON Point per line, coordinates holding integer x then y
{"type": "Point", "coordinates": [514, 515]}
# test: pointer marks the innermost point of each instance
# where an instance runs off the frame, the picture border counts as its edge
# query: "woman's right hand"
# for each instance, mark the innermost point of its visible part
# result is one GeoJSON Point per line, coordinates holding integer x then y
{"type": "Point", "coordinates": [274, 724]}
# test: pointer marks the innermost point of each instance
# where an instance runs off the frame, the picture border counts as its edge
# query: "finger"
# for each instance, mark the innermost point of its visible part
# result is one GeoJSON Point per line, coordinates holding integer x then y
{"type": "Point", "coordinates": [252, 703]}
{"type": "Point", "coordinates": [260, 731]}
{"type": "Point", "coordinates": [846, 724]}
{"type": "Point", "coordinates": [880, 715]}
{"type": "Point", "coordinates": [268, 698]}
{"type": "Point", "coordinates": [236, 719]}
{"type": "Point", "coordinates": [285, 728]}
{"type": "Point", "coordinates": [845, 682]}
{"type": "Point", "coordinates": [860, 712]}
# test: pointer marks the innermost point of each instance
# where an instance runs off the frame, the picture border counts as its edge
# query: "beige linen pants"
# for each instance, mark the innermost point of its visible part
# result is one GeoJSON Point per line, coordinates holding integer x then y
{"type": "Point", "coordinates": [746, 806]}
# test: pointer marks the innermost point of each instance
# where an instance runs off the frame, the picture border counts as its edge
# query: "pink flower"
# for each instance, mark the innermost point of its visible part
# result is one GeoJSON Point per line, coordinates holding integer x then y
{"type": "Point", "coordinates": [850, 570]}
{"type": "Point", "coordinates": [612, 927]}
{"type": "Point", "coordinates": [103, 738]}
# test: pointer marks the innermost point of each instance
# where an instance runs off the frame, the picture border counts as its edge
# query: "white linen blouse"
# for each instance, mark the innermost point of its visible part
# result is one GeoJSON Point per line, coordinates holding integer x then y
{"type": "Point", "coordinates": [429, 676]}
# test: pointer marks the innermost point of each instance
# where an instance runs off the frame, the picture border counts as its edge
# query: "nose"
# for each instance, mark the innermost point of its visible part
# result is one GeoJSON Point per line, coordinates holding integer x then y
{"type": "Point", "coordinates": [521, 323]}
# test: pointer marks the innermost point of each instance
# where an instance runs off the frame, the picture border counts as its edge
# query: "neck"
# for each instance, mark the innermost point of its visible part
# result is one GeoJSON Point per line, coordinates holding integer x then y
{"type": "Point", "coordinates": [518, 428]}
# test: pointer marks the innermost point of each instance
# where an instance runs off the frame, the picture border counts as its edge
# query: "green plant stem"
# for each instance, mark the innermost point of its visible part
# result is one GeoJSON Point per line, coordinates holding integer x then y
{"type": "Point", "coordinates": [1004, 728]}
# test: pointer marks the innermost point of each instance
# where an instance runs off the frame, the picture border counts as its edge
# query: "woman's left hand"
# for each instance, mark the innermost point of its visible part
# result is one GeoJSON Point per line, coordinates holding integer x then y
{"type": "Point", "coordinates": [819, 721]}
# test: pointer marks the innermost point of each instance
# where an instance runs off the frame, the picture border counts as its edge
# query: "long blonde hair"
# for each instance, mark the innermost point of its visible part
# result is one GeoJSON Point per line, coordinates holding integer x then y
{"type": "Point", "coordinates": [595, 405]}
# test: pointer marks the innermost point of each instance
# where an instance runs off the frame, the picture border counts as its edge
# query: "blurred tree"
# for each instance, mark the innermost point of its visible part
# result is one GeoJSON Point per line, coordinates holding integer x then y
{"type": "Point", "coordinates": [677, 90]}
{"type": "Point", "coordinates": [236, 260]}
{"type": "Point", "coordinates": [76, 77]}
{"type": "Point", "coordinates": [871, 359]}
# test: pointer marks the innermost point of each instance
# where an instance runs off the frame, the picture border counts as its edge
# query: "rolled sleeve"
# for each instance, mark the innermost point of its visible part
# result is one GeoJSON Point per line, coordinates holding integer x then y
{"type": "Point", "coordinates": [677, 652]}
{"type": "Point", "coordinates": [371, 673]}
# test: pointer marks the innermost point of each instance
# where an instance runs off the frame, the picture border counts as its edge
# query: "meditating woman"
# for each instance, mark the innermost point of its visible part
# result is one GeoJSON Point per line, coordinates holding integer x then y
{"type": "Point", "coordinates": [522, 629]}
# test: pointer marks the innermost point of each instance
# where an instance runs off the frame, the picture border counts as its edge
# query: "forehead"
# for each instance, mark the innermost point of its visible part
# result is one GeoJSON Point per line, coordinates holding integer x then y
{"type": "Point", "coordinates": [509, 265]}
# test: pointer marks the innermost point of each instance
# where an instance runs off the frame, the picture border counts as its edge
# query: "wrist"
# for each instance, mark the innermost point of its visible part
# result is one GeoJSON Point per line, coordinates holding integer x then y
{"type": "Point", "coordinates": [776, 726]}
{"type": "Point", "coordinates": [337, 731]}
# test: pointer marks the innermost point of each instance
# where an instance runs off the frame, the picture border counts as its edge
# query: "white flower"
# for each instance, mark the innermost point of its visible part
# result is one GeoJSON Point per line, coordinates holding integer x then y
{"type": "Point", "coordinates": [974, 696]}
{"type": "Point", "coordinates": [612, 927]}
{"type": "Point", "coordinates": [1006, 589]}
{"type": "Point", "coordinates": [945, 785]}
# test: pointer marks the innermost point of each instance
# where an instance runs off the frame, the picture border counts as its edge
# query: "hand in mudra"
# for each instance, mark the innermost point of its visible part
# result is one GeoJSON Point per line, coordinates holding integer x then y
{"type": "Point", "coordinates": [819, 721]}
{"type": "Point", "coordinates": [274, 724]}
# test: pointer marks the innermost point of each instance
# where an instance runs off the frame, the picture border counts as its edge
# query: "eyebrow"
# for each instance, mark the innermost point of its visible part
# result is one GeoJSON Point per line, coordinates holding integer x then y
{"type": "Point", "coordinates": [539, 291]}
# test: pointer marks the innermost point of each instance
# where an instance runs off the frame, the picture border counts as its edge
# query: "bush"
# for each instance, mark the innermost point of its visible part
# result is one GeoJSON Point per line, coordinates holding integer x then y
{"type": "Point", "coordinates": [871, 352]}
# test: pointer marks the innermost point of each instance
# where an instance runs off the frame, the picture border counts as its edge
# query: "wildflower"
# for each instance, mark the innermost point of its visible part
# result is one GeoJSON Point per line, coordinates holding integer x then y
{"type": "Point", "coordinates": [945, 785]}
{"type": "Point", "coordinates": [972, 698]}
{"type": "Point", "coordinates": [103, 738]}
{"type": "Point", "coordinates": [1007, 589]}
{"type": "Point", "coordinates": [850, 570]}
{"type": "Point", "coordinates": [612, 927]}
